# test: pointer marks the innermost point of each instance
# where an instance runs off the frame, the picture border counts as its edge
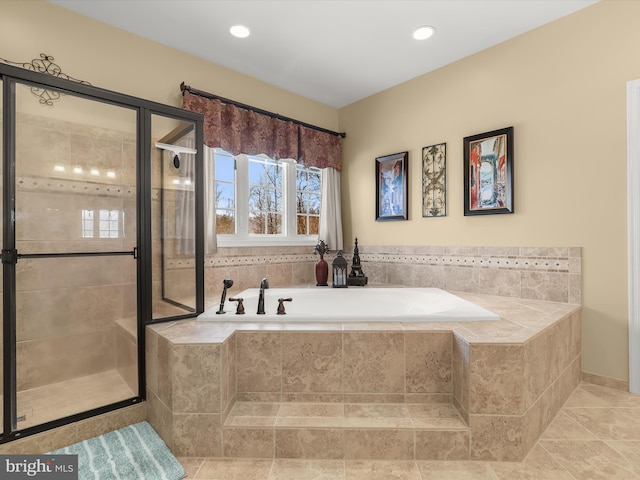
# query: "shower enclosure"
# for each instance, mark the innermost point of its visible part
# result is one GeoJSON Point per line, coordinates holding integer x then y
{"type": "Point", "coordinates": [100, 236]}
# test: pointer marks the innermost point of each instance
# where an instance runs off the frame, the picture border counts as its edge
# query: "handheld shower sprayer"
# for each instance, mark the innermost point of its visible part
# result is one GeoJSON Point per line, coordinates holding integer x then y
{"type": "Point", "coordinates": [228, 283]}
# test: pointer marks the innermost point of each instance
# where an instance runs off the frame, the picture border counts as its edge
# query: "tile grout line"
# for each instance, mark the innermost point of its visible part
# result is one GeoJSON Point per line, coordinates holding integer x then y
{"type": "Point", "coordinates": [557, 460]}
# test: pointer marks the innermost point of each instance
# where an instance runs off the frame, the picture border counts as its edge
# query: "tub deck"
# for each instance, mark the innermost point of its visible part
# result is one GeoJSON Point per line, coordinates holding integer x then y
{"type": "Point", "coordinates": [443, 390]}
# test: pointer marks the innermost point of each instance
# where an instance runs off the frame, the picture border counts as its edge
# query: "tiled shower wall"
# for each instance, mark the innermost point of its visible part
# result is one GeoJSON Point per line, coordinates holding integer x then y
{"type": "Point", "coordinates": [545, 273]}
{"type": "Point", "coordinates": [67, 308]}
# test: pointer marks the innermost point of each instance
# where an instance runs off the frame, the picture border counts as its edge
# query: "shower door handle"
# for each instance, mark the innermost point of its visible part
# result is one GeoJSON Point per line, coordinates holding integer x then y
{"type": "Point", "coordinates": [12, 256]}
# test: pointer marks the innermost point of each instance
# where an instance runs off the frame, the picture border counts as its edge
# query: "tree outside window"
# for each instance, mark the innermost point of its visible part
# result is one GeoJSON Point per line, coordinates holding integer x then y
{"type": "Point", "coordinates": [308, 192]}
{"type": "Point", "coordinates": [265, 197]}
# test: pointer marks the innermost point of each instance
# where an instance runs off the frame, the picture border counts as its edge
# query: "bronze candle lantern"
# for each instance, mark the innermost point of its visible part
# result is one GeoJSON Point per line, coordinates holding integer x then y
{"type": "Point", "coordinates": [339, 268]}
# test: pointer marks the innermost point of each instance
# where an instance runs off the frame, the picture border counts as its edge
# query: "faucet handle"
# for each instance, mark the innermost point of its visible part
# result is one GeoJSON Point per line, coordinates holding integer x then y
{"type": "Point", "coordinates": [240, 307]}
{"type": "Point", "coordinates": [281, 305]}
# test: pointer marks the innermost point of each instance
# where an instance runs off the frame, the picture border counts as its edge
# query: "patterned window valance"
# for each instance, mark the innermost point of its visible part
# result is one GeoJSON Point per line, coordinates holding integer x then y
{"type": "Point", "coordinates": [318, 149]}
{"type": "Point", "coordinates": [240, 130]}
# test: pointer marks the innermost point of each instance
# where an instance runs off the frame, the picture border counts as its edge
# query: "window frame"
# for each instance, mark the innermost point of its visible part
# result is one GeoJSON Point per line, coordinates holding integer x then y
{"type": "Point", "coordinates": [242, 237]}
{"type": "Point", "coordinates": [95, 226]}
{"type": "Point", "coordinates": [307, 194]}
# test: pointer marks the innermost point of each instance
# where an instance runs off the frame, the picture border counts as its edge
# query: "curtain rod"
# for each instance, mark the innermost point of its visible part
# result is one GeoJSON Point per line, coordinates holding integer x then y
{"type": "Point", "coordinates": [204, 94]}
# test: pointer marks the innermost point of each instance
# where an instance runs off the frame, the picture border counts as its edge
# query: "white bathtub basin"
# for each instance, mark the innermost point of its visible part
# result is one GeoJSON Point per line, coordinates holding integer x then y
{"type": "Point", "coordinates": [356, 304]}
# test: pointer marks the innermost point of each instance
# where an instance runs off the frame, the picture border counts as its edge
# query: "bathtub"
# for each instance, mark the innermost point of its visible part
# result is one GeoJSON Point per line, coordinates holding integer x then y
{"type": "Point", "coordinates": [356, 304]}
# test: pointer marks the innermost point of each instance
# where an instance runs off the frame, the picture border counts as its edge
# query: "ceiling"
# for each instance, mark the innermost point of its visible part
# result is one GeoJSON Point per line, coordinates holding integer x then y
{"type": "Point", "coordinates": [333, 51]}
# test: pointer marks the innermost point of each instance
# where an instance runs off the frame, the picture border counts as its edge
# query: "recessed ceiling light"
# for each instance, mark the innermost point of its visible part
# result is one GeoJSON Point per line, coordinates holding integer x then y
{"type": "Point", "coordinates": [424, 32]}
{"type": "Point", "coordinates": [240, 31]}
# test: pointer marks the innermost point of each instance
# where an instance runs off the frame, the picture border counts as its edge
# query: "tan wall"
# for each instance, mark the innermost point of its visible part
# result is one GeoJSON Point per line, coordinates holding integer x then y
{"type": "Point", "coordinates": [563, 88]}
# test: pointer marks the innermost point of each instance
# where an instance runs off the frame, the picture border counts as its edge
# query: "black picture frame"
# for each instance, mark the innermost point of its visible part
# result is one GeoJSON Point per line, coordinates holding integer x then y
{"type": "Point", "coordinates": [488, 173]}
{"type": "Point", "coordinates": [392, 187]}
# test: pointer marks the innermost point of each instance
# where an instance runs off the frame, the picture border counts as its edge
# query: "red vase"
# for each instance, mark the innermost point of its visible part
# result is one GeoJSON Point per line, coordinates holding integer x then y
{"type": "Point", "coordinates": [322, 272]}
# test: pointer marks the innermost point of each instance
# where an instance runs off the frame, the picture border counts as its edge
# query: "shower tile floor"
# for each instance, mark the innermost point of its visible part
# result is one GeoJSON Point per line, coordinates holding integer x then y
{"type": "Point", "coordinates": [595, 436]}
{"type": "Point", "coordinates": [57, 400]}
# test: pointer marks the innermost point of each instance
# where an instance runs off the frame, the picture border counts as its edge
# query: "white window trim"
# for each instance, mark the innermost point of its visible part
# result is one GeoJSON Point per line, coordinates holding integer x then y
{"type": "Point", "coordinates": [242, 237]}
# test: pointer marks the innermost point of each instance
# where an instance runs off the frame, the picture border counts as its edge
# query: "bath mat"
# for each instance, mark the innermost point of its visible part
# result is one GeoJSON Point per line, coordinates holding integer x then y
{"type": "Point", "coordinates": [131, 453]}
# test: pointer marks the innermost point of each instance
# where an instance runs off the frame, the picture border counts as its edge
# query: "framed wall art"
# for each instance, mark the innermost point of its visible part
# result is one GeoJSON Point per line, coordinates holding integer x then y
{"type": "Point", "coordinates": [391, 187]}
{"type": "Point", "coordinates": [434, 180]}
{"type": "Point", "coordinates": [488, 173]}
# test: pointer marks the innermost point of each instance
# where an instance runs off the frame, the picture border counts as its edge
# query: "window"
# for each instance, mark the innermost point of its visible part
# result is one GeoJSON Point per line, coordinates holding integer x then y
{"type": "Point", "coordinates": [225, 185]}
{"type": "Point", "coordinates": [259, 200]}
{"type": "Point", "coordinates": [109, 224]}
{"type": "Point", "coordinates": [308, 193]}
{"type": "Point", "coordinates": [87, 223]}
{"type": "Point", "coordinates": [266, 187]}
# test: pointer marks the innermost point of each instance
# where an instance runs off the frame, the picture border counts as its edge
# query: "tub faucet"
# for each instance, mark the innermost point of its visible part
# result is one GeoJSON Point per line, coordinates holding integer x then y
{"type": "Point", "coordinates": [264, 284]}
{"type": "Point", "coordinates": [227, 283]}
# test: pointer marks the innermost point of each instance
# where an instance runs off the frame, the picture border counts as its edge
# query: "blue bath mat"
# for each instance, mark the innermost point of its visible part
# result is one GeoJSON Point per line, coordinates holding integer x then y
{"type": "Point", "coordinates": [131, 453]}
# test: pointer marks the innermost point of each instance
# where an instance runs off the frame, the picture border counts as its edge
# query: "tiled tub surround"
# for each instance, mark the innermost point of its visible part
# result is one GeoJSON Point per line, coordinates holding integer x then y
{"type": "Point", "coordinates": [479, 391]}
{"type": "Point", "coordinates": [525, 325]}
{"type": "Point", "coordinates": [539, 273]}
{"type": "Point", "coordinates": [283, 266]}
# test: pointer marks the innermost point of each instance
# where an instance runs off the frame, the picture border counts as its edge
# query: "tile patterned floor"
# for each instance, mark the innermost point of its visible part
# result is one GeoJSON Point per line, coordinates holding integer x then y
{"type": "Point", "coordinates": [595, 436]}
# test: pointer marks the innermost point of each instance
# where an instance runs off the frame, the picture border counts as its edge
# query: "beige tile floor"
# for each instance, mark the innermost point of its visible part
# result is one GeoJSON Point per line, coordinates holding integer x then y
{"type": "Point", "coordinates": [595, 436]}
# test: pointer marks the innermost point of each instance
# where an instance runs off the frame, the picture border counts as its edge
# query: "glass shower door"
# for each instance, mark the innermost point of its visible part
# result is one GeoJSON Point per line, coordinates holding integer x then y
{"type": "Point", "coordinates": [75, 237]}
{"type": "Point", "coordinates": [173, 216]}
{"type": "Point", "coordinates": [1, 236]}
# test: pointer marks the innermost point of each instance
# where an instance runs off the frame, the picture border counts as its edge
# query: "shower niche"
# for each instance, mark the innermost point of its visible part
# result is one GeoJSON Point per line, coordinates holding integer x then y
{"type": "Point", "coordinates": [98, 241]}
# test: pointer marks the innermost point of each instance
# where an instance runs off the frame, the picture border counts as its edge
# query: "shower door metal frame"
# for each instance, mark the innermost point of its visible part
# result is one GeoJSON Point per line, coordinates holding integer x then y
{"type": "Point", "coordinates": [169, 138]}
{"type": "Point", "coordinates": [144, 109]}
